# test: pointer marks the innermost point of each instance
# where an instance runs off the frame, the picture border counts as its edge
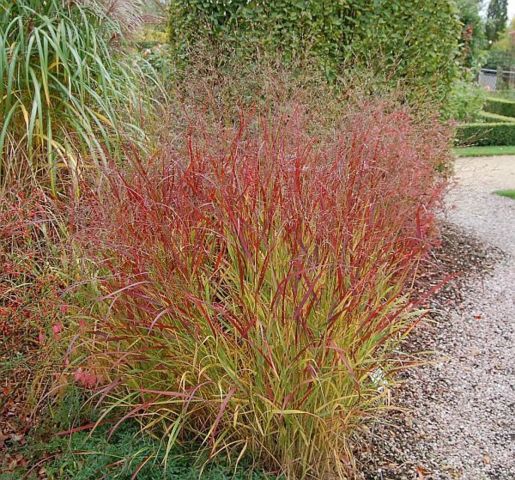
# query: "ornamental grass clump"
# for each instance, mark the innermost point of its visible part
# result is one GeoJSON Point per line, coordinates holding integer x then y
{"type": "Point", "coordinates": [65, 97]}
{"type": "Point", "coordinates": [255, 280]}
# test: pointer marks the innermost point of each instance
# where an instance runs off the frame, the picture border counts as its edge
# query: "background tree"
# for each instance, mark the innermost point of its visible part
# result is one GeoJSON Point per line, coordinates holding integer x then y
{"type": "Point", "coordinates": [502, 52]}
{"type": "Point", "coordinates": [473, 37]}
{"type": "Point", "coordinates": [497, 16]}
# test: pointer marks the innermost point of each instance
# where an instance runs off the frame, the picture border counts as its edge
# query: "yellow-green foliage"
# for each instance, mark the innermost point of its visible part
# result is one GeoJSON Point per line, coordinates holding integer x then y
{"type": "Point", "coordinates": [500, 106]}
{"type": "Point", "coordinates": [59, 89]}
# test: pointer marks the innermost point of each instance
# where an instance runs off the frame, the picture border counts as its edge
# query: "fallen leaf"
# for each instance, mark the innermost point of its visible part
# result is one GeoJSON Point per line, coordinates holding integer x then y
{"type": "Point", "coordinates": [422, 472]}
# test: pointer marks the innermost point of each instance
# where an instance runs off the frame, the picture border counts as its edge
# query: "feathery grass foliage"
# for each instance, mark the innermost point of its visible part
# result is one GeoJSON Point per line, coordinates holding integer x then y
{"type": "Point", "coordinates": [59, 89]}
{"type": "Point", "coordinates": [126, 13]}
{"type": "Point", "coordinates": [256, 279]}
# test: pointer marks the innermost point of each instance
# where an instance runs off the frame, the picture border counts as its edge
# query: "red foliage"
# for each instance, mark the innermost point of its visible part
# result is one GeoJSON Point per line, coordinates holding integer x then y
{"type": "Point", "coordinates": [368, 193]}
{"type": "Point", "coordinates": [29, 289]}
{"type": "Point", "coordinates": [255, 269]}
{"type": "Point", "coordinates": [30, 295]}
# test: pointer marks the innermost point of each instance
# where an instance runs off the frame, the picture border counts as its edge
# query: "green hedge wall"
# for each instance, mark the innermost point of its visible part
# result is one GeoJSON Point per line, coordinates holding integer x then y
{"type": "Point", "coordinates": [500, 106]}
{"type": "Point", "coordinates": [413, 43]}
{"type": "Point", "coordinates": [483, 134]}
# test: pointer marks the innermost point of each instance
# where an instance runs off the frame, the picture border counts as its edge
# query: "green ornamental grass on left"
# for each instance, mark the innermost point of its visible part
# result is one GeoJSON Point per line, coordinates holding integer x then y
{"type": "Point", "coordinates": [59, 88]}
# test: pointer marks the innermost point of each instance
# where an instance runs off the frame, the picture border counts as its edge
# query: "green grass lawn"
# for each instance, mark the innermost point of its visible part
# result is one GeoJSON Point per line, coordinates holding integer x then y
{"type": "Point", "coordinates": [484, 151]}
{"type": "Point", "coordinates": [510, 193]}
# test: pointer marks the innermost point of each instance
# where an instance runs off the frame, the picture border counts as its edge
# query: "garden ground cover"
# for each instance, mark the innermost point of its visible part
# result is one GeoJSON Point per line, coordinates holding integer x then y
{"type": "Point", "coordinates": [119, 455]}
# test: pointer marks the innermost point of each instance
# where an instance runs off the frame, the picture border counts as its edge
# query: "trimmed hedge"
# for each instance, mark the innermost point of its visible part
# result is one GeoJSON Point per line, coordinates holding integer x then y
{"type": "Point", "coordinates": [483, 134]}
{"type": "Point", "coordinates": [415, 42]}
{"type": "Point", "coordinates": [500, 106]}
{"type": "Point", "coordinates": [494, 118]}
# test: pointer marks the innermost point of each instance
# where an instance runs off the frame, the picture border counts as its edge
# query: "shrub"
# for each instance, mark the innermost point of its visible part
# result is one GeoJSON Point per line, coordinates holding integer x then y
{"type": "Point", "coordinates": [413, 42]}
{"type": "Point", "coordinates": [473, 41]}
{"type": "Point", "coordinates": [465, 101]}
{"type": "Point", "coordinates": [255, 280]}
{"type": "Point", "coordinates": [500, 106]}
{"type": "Point", "coordinates": [483, 134]}
{"type": "Point", "coordinates": [249, 28]}
{"type": "Point", "coordinates": [32, 282]}
{"type": "Point", "coordinates": [502, 53]}
{"type": "Point", "coordinates": [58, 89]}
{"type": "Point", "coordinates": [410, 42]}
{"type": "Point", "coordinates": [506, 94]}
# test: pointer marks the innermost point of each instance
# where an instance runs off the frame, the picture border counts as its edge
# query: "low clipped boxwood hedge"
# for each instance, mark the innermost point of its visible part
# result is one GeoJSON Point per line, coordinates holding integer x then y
{"type": "Point", "coordinates": [500, 106]}
{"type": "Point", "coordinates": [483, 134]}
{"type": "Point", "coordinates": [488, 117]}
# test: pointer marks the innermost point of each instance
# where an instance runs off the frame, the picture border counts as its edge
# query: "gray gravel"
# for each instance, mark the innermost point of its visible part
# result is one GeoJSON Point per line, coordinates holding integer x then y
{"type": "Point", "coordinates": [460, 417]}
{"type": "Point", "coordinates": [472, 205]}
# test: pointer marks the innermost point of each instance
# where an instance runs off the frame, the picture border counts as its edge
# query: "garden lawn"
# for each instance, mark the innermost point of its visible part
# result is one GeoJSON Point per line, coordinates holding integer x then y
{"type": "Point", "coordinates": [510, 193]}
{"type": "Point", "coordinates": [487, 151]}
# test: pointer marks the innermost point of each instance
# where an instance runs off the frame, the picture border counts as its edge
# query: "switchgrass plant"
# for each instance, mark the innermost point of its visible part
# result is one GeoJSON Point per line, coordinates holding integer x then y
{"type": "Point", "coordinates": [61, 92]}
{"type": "Point", "coordinates": [220, 86]}
{"type": "Point", "coordinates": [256, 279]}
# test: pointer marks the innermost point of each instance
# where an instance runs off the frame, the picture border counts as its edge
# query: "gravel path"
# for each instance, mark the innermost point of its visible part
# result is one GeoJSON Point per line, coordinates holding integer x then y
{"type": "Point", "coordinates": [471, 204]}
{"type": "Point", "coordinates": [460, 422]}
